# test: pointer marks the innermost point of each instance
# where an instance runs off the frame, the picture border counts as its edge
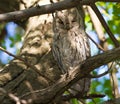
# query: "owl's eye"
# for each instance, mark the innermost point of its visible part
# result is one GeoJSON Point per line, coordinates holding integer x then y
{"type": "Point", "coordinates": [73, 20]}
{"type": "Point", "coordinates": [60, 21]}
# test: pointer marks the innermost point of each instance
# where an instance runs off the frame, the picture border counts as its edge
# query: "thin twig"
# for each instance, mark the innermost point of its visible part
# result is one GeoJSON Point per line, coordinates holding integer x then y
{"type": "Point", "coordinates": [23, 3]}
{"type": "Point", "coordinates": [79, 96]}
{"type": "Point", "coordinates": [28, 64]}
{"type": "Point", "coordinates": [93, 101]}
{"type": "Point", "coordinates": [14, 98]}
{"type": "Point", "coordinates": [93, 6]}
{"type": "Point", "coordinates": [100, 75]}
{"type": "Point", "coordinates": [10, 54]}
{"type": "Point", "coordinates": [98, 45]}
{"type": "Point", "coordinates": [35, 3]}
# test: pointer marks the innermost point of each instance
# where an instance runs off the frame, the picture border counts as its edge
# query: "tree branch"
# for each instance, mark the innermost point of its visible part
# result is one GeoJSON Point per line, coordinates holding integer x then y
{"type": "Point", "coordinates": [107, 0]}
{"type": "Point", "coordinates": [79, 96]}
{"type": "Point", "coordinates": [65, 82]}
{"type": "Point", "coordinates": [50, 8]}
{"type": "Point", "coordinates": [105, 25]}
{"type": "Point", "coordinates": [26, 63]}
{"type": "Point", "coordinates": [98, 45]}
{"type": "Point", "coordinates": [103, 42]}
{"type": "Point", "coordinates": [39, 10]}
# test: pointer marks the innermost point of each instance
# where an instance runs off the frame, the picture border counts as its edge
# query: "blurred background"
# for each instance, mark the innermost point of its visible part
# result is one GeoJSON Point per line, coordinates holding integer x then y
{"type": "Point", "coordinates": [11, 40]}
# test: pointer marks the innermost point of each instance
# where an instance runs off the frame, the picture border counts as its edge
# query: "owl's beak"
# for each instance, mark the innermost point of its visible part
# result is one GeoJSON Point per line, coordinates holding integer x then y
{"type": "Point", "coordinates": [68, 26]}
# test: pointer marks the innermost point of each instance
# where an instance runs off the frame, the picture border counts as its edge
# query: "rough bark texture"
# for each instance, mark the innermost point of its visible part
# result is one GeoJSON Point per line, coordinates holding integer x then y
{"type": "Point", "coordinates": [17, 77]}
{"type": "Point", "coordinates": [7, 5]}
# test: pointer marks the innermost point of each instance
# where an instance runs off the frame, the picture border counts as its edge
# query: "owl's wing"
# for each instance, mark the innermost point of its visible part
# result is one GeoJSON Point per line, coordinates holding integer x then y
{"type": "Point", "coordinates": [57, 55]}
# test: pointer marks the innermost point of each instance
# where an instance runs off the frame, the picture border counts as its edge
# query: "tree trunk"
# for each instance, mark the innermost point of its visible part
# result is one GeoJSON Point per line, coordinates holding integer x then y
{"type": "Point", "coordinates": [34, 69]}
{"type": "Point", "coordinates": [17, 77]}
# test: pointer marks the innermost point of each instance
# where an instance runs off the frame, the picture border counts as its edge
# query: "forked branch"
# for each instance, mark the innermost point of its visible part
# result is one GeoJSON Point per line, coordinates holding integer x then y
{"type": "Point", "coordinates": [115, 41]}
{"type": "Point", "coordinates": [65, 82]}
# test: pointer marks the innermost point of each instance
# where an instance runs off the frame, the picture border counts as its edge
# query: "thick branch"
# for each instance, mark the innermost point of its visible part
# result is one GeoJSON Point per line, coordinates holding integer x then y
{"type": "Point", "coordinates": [105, 25]}
{"type": "Point", "coordinates": [50, 8]}
{"type": "Point", "coordinates": [103, 42]}
{"type": "Point", "coordinates": [38, 10]}
{"type": "Point", "coordinates": [74, 75]}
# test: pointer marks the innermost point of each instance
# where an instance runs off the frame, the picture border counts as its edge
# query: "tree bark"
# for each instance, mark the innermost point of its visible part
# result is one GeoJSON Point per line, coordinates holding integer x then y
{"type": "Point", "coordinates": [21, 80]}
{"type": "Point", "coordinates": [18, 78]}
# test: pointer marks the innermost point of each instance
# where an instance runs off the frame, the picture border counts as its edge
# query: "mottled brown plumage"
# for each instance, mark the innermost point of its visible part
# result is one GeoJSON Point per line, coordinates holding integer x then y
{"type": "Point", "coordinates": [70, 43]}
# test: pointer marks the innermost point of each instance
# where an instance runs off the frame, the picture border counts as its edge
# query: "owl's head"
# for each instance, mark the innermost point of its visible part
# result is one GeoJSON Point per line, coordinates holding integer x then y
{"type": "Point", "coordinates": [67, 19]}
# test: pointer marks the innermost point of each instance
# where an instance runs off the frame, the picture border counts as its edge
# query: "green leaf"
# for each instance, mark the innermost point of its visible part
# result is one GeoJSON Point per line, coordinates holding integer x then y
{"type": "Point", "coordinates": [74, 101]}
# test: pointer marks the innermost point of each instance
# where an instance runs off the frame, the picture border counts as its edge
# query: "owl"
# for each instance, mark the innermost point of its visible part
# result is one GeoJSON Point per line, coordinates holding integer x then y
{"type": "Point", "coordinates": [70, 44]}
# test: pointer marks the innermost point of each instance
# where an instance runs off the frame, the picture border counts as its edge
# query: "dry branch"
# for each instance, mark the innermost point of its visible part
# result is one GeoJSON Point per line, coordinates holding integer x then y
{"type": "Point", "coordinates": [64, 83]}
{"type": "Point", "coordinates": [26, 63]}
{"type": "Point", "coordinates": [50, 8]}
{"type": "Point", "coordinates": [39, 10]}
{"type": "Point", "coordinates": [115, 41]}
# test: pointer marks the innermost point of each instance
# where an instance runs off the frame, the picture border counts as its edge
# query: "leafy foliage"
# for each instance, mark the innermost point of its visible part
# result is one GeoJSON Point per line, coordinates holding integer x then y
{"type": "Point", "coordinates": [10, 39]}
{"type": "Point", "coordinates": [111, 13]}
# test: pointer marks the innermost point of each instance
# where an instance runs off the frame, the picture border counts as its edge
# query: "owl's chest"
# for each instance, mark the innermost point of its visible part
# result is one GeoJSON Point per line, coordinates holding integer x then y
{"type": "Point", "coordinates": [70, 43]}
{"type": "Point", "coordinates": [69, 39]}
